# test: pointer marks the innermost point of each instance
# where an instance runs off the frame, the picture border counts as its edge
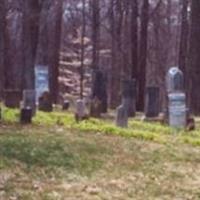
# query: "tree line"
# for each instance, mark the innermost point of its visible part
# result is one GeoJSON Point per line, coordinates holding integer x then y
{"type": "Point", "coordinates": [142, 39]}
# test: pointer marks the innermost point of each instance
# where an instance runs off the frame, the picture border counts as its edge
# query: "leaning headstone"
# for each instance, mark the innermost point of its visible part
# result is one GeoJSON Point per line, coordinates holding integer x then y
{"type": "Point", "coordinates": [29, 100]}
{"type": "Point", "coordinates": [129, 96]}
{"type": "Point", "coordinates": [26, 115]}
{"type": "Point", "coordinates": [122, 117]}
{"type": "Point", "coordinates": [45, 102]}
{"type": "Point", "coordinates": [66, 105]}
{"type": "Point", "coordinates": [152, 102]}
{"type": "Point", "coordinates": [175, 80]}
{"type": "Point", "coordinates": [12, 98]}
{"type": "Point", "coordinates": [81, 112]}
{"type": "Point", "coordinates": [177, 110]}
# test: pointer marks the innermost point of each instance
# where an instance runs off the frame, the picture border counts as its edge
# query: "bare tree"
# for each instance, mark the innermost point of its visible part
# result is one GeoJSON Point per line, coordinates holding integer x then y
{"type": "Point", "coordinates": [143, 54]}
{"type": "Point", "coordinates": [184, 36]}
{"type": "Point", "coordinates": [194, 58]}
{"type": "Point", "coordinates": [2, 45]}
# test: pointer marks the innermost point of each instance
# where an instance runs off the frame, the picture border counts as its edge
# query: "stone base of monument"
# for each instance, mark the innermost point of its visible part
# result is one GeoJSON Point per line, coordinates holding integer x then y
{"type": "Point", "coordinates": [12, 98]}
{"type": "Point", "coordinates": [66, 105]}
{"type": "Point", "coordinates": [45, 102]}
{"type": "Point", "coordinates": [26, 115]}
{"type": "Point", "coordinates": [122, 117]}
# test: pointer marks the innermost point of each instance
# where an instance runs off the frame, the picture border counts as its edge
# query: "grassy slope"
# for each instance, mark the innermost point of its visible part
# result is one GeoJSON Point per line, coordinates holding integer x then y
{"type": "Point", "coordinates": [57, 159]}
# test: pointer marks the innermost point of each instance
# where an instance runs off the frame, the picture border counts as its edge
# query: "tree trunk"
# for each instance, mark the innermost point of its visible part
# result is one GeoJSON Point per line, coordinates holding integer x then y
{"type": "Point", "coordinates": [14, 46]}
{"type": "Point", "coordinates": [2, 46]}
{"type": "Point", "coordinates": [184, 37]}
{"type": "Point", "coordinates": [143, 54]}
{"type": "Point", "coordinates": [134, 39]}
{"type": "Point", "coordinates": [54, 37]}
{"type": "Point", "coordinates": [194, 58]}
{"type": "Point", "coordinates": [30, 40]}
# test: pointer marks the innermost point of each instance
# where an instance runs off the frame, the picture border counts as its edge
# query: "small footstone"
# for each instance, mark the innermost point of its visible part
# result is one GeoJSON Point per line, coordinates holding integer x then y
{"type": "Point", "coordinates": [122, 117]}
{"type": "Point", "coordinates": [26, 115]}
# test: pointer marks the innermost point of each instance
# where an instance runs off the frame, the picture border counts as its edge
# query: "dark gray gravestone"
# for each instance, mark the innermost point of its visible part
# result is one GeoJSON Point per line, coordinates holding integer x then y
{"type": "Point", "coordinates": [152, 102]}
{"type": "Point", "coordinates": [99, 90]}
{"type": "Point", "coordinates": [122, 117]}
{"type": "Point", "coordinates": [175, 80]}
{"type": "Point", "coordinates": [29, 100]}
{"type": "Point", "coordinates": [12, 98]}
{"type": "Point", "coordinates": [66, 105]}
{"type": "Point", "coordinates": [26, 115]}
{"type": "Point", "coordinates": [129, 96]}
{"type": "Point", "coordinates": [45, 102]}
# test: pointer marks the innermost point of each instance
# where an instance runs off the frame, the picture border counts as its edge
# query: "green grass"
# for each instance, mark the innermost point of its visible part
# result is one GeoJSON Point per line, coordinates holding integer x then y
{"type": "Point", "coordinates": [56, 158]}
{"type": "Point", "coordinates": [137, 129]}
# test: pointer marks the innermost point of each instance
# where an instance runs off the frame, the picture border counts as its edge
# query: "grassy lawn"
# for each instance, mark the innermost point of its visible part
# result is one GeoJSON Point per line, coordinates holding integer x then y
{"type": "Point", "coordinates": [58, 159]}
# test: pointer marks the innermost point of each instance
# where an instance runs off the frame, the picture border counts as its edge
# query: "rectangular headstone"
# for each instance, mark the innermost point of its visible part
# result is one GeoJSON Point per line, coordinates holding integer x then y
{"type": "Point", "coordinates": [152, 107]}
{"type": "Point", "coordinates": [12, 98]}
{"type": "Point", "coordinates": [129, 96]}
{"type": "Point", "coordinates": [122, 117]}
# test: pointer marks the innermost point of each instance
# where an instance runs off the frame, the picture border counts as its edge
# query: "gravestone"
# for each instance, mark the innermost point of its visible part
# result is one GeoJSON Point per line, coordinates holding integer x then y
{"type": "Point", "coordinates": [99, 92]}
{"type": "Point", "coordinates": [41, 80]}
{"type": "Point", "coordinates": [26, 115]}
{"type": "Point", "coordinates": [45, 102]}
{"type": "Point", "coordinates": [175, 80]}
{"type": "Point", "coordinates": [122, 117]}
{"type": "Point", "coordinates": [177, 110]}
{"type": "Point", "coordinates": [66, 105]}
{"type": "Point", "coordinates": [29, 100]}
{"type": "Point", "coordinates": [12, 98]}
{"type": "Point", "coordinates": [81, 112]}
{"type": "Point", "coordinates": [152, 102]}
{"type": "Point", "coordinates": [129, 96]}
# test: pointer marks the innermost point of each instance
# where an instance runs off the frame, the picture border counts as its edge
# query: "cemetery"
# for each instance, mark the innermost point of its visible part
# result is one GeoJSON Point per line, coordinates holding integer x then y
{"type": "Point", "coordinates": [99, 100]}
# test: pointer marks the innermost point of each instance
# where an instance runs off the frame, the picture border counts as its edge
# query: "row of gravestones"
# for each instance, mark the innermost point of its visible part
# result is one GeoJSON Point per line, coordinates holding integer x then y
{"type": "Point", "coordinates": [176, 111]}
{"type": "Point", "coordinates": [28, 106]}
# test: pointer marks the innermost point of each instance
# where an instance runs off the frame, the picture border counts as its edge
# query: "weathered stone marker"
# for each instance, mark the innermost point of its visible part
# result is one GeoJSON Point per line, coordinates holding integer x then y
{"type": "Point", "coordinates": [45, 102]}
{"type": "Point", "coordinates": [176, 109]}
{"type": "Point", "coordinates": [152, 102]}
{"type": "Point", "coordinates": [12, 98]}
{"type": "Point", "coordinates": [122, 117]}
{"type": "Point", "coordinates": [66, 105]}
{"type": "Point", "coordinates": [81, 113]}
{"type": "Point", "coordinates": [129, 96]}
{"type": "Point", "coordinates": [26, 115]}
{"type": "Point", "coordinates": [29, 100]}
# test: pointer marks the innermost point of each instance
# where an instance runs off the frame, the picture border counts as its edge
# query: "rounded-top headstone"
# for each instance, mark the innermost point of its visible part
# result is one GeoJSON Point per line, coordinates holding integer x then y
{"type": "Point", "coordinates": [175, 80]}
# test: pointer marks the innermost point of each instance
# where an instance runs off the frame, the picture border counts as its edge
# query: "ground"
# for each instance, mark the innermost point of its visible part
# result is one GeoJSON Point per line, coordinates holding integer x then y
{"type": "Point", "coordinates": [62, 160]}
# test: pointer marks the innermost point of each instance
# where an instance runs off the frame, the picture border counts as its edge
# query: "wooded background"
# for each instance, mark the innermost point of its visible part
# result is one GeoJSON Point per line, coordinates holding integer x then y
{"type": "Point", "coordinates": [124, 39]}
